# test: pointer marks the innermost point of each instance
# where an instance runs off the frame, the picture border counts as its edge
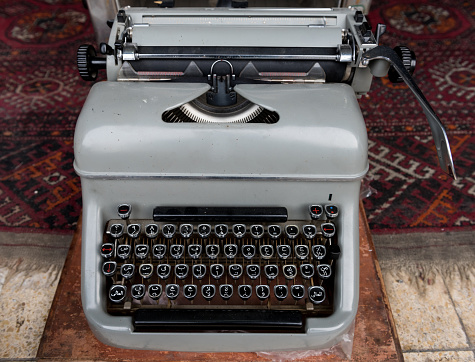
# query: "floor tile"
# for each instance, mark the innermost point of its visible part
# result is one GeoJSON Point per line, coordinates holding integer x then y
{"type": "Point", "coordinates": [455, 356]}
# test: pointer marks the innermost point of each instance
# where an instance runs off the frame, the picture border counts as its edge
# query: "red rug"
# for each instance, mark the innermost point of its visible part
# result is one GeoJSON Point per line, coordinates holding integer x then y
{"type": "Point", "coordinates": [42, 94]}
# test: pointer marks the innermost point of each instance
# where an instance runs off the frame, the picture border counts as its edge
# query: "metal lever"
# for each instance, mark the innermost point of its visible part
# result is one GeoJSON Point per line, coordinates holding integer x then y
{"type": "Point", "coordinates": [436, 126]}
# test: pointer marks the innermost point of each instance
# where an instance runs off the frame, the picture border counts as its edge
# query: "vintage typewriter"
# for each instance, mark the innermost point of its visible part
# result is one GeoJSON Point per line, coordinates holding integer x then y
{"type": "Point", "coordinates": [220, 166]}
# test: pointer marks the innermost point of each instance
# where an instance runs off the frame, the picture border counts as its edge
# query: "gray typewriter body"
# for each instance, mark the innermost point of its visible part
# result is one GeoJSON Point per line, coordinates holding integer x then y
{"type": "Point", "coordinates": [126, 152]}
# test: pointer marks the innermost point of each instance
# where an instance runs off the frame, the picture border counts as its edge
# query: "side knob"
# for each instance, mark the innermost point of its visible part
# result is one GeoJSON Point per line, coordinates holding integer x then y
{"type": "Point", "coordinates": [408, 59]}
{"type": "Point", "coordinates": [88, 63]}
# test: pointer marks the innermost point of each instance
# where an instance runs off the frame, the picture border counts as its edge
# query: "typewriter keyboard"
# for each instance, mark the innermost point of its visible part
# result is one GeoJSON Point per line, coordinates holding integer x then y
{"type": "Point", "coordinates": [246, 275]}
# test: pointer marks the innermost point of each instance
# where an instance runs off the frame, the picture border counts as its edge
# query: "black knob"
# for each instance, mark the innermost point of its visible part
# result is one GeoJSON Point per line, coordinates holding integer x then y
{"type": "Point", "coordinates": [408, 59]}
{"type": "Point", "coordinates": [88, 63]}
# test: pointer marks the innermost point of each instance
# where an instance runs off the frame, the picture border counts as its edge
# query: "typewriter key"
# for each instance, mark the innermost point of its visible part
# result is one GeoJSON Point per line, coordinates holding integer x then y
{"type": "Point", "coordinates": [181, 271]}
{"type": "Point", "coordinates": [137, 291]}
{"type": "Point", "coordinates": [248, 251]}
{"type": "Point", "coordinates": [230, 250]}
{"type": "Point", "coordinates": [281, 292]}
{"type": "Point", "coordinates": [289, 271]}
{"type": "Point", "coordinates": [176, 251]}
{"type": "Point", "coordinates": [169, 231]}
{"type": "Point", "coordinates": [117, 293]}
{"type": "Point", "coordinates": [226, 291]}
{"type": "Point", "coordinates": [253, 271]}
{"type": "Point", "coordinates": [199, 271]}
{"type": "Point", "coordinates": [141, 251]}
{"type": "Point", "coordinates": [109, 268]}
{"type": "Point", "coordinates": [274, 231]}
{"type": "Point", "coordinates": [127, 270]}
{"type": "Point", "coordinates": [324, 271]}
{"type": "Point", "coordinates": [164, 271]}
{"type": "Point", "coordinates": [154, 291]}
{"type": "Point", "coordinates": [208, 291]}
{"type": "Point", "coordinates": [297, 291]}
{"type": "Point", "coordinates": [133, 230]}
{"type": "Point", "coordinates": [116, 230]}
{"type": "Point", "coordinates": [123, 251]}
{"type": "Point", "coordinates": [221, 230]}
{"type": "Point", "coordinates": [245, 291]}
{"type": "Point", "coordinates": [257, 231]}
{"type": "Point", "coordinates": [239, 230]}
{"type": "Point", "coordinates": [284, 251]}
{"type": "Point", "coordinates": [307, 271]}
{"type": "Point", "coordinates": [292, 231]}
{"type": "Point", "coordinates": [146, 270]}
{"type": "Point", "coordinates": [235, 271]}
{"type": "Point", "coordinates": [262, 292]}
{"type": "Point", "coordinates": [151, 230]}
{"type": "Point", "coordinates": [319, 251]}
{"type": "Point", "coordinates": [212, 251]}
{"type": "Point", "coordinates": [266, 251]}
{"type": "Point", "coordinates": [194, 251]}
{"type": "Point", "coordinates": [190, 291]}
{"type": "Point", "coordinates": [107, 250]}
{"type": "Point", "coordinates": [316, 211]}
{"type": "Point", "coordinates": [204, 230]}
{"type": "Point", "coordinates": [301, 251]}
{"type": "Point", "coordinates": [124, 210]}
{"type": "Point", "coordinates": [216, 270]}
{"type": "Point", "coordinates": [159, 251]}
{"type": "Point", "coordinates": [316, 294]}
{"type": "Point", "coordinates": [271, 271]}
{"type": "Point", "coordinates": [186, 230]}
{"type": "Point", "coordinates": [331, 211]}
{"type": "Point", "coordinates": [309, 231]}
{"type": "Point", "coordinates": [172, 291]}
{"type": "Point", "coordinates": [328, 230]}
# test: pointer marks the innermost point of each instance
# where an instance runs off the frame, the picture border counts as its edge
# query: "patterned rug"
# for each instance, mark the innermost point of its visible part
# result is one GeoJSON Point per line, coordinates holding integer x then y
{"type": "Point", "coordinates": [42, 94]}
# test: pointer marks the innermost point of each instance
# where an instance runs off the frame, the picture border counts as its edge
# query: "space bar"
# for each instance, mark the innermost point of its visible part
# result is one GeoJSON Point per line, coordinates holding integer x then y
{"type": "Point", "coordinates": [152, 320]}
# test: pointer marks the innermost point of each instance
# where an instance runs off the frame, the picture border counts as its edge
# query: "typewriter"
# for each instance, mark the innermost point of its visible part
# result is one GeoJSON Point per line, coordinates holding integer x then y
{"type": "Point", "coordinates": [220, 166]}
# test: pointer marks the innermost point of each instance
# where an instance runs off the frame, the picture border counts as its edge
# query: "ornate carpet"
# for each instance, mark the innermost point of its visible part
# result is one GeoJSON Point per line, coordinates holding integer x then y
{"type": "Point", "coordinates": [42, 94]}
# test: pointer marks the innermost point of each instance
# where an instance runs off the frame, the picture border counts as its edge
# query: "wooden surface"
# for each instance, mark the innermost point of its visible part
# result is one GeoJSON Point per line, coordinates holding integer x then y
{"type": "Point", "coordinates": [68, 337]}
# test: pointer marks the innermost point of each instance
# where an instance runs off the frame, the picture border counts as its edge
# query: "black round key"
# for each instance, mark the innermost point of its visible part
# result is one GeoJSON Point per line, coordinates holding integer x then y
{"type": "Point", "coordinates": [127, 270]}
{"type": "Point", "coordinates": [172, 291]}
{"type": "Point", "coordinates": [151, 230]}
{"type": "Point", "coordinates": [107, 250]}
{"type": "Point", "coordinates": [257, 231]}
{"type": "Point", "coordinates": [309, 231]}
{"type": "Point", "coordinates": [230, 250]}
{"type": "Point", "coordinates": [176, 251]}
{"type": "Point", "coordinates": [133, 230]}
{"type": "Point", "coordinates": [281, 292]}
{"type": "Point", "coordinates": [292, 231]}
{"type": "Point", "coordinates": [181, 271]}
{"type": "Point", "coordinates": [137, 291]}
{"type": "Point", "coordinates": [301, 251]}
{"type": "Point", "coordinates": [324, 271]}
{"type": "Point", "coordinates": [328, 229]}
{"type": "Point", "coordinates": [116, 230]}
{"type": "Point", "coordinates": [226, 291]}
{"type": "Point", "coordinates": [297, 291]}
{"type": "Point", "coordinates": [204, 230]}
{"type": "Point", "coordinates": [124, 210]}
{"type": "Point", "coordinates": [274, 231]}
{"type": "Point", "coordinates": [271, 271]}
{"type": "Point", "coordinates": [331, 211]}
{"type": "Point", "coordinates": [245, 291]}
{"type": "Point", "coordinates": [123, 251]}
{"type": "Point", "coordinates": [117, 293]}
{"type": "Point", "coordinates": [164, 271]}
{"type": "Point", "coordinates": [216, 270]}
{"type": "Point", "coordinates": [141, 251]}
{"type": "Point", "coordinates": [289, 271]}
{"type": "Point", "coordinates": [262, 291]}
{"type": "Point", "coordinates": [266, 251]}
{"type": "Point", "coordinates": [253, 271]}
{"type": "Point", "coordinates": [284, 251]}
{"type": "Point", "coordinates": [186, 230]}
{"type": "Point", "coordinates": [235, 271]}
{"type": "Point", "coordinates": [212, 250]}
{"type": "Point", "coordinates": [316, 211]}
{"type": "Point", "coordinates": [109, 268]}
{"type": "Point", "coordinates": [319, 251]}
{"type": "Point", "coordinates": [221, 230]}
{"type": "Point", "coordinates": [316, 294]}
{"type": "Point", "coordinates": [159, 251]}
{"type": "Point", "coordinates": [194, 251]}
{"type": "Point", "coordinates": [146, 270]}
{"type": "Point", "coordinates": [169, 230]}
{"type": "Point", "coordinates": [239, 230]}
{"type": "Point", "coordinates": [208, 291]}
{"type": "Point", "coordinates": [154, 291]}
{"type": "Point", "coordinates": [190, 291]}
{"type": "Point", "coordinates": [248, 251]}
{"type": "Point", "coordinates": [307, 271]}
{"type": "Point", "coordinates": [198, 270]}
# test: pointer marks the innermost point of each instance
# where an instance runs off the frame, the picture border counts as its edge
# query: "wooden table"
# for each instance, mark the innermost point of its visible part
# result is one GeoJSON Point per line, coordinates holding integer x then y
{"type": "Point", "coordinates": [68, 337]}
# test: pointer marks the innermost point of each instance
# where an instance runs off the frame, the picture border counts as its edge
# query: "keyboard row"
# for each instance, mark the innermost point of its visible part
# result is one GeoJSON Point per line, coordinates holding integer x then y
{"type": "Point", "coordinates": [118, 292]}
{"type": "Point", "coordinates": [217, 271]}
{"type": "Point", "coordinates": [213, 251]}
